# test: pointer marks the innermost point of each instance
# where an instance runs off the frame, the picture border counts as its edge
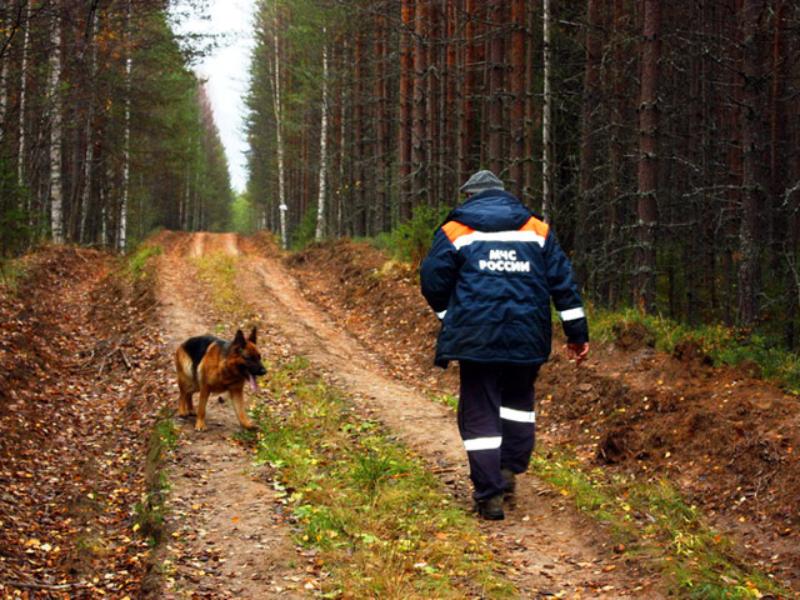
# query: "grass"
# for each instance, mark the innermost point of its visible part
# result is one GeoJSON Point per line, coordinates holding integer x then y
{"type": "Point", "coordinates": [724, 345]}
{"type": "Point", "coordinates": [149, 511]}
{"type": "Point", "coordinates": [137, 262]}
{"type": "Point", "coordinates": [383, 525]}
{"type": "Point", "coordinates": [11, 273]}
{"type": "Point", "coordinates": [218, 271]}
{"type": "Point", "coordinates": [653, 521]}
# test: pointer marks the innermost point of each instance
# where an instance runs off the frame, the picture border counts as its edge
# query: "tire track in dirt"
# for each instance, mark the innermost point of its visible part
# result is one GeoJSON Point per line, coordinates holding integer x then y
{"type": "Point", "coordinates": [224, 538]}
{"type": "Point", "coordinates": [547, 547]}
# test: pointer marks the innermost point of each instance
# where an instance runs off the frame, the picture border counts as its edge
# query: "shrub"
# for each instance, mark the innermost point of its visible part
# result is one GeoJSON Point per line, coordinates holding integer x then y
{"type": "Point", "coordinates": [304, 233]}
{"type": "Point", "coordinates": [411, 240]}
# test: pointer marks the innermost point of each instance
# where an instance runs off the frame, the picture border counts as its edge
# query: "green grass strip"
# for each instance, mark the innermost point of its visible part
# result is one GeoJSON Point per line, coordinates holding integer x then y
{"type": "Point", "coordinates": [138, 261]}
{"type": "Point", "coordinates": [654, 522]}
{"type": "Point", "coordinates": [218, 271]}
{"type": "Point", "coordinates": [384, 526]}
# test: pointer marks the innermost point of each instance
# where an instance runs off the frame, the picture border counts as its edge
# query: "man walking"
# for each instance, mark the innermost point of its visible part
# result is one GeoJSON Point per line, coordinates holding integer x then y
{"type": "Point", "coordinates": [489, 277]}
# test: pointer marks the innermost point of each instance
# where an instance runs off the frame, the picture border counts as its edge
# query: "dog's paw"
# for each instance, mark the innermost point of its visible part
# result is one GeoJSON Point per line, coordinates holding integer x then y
{"type": "Point", "coordinates": [200, 426]}
{"type": "Point", "coordinates": [249, 425]}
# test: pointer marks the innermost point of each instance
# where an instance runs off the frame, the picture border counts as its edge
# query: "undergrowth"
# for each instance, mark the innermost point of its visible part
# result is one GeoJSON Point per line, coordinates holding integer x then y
{"type": "Point", "coordinates": [150, 510]}
{"type": "Point", "coordinates": [11, 273]}
{"type": "Point", "coordinates": [724, 345]}
{"type": "Point", "coordinates": [383, 525]}
{"type": "Point", "coordinates": [653, 521]}
{"type": "Point", "coordinates": [411, 240]}
{"type": "Point", "coordinates": [137, 262]}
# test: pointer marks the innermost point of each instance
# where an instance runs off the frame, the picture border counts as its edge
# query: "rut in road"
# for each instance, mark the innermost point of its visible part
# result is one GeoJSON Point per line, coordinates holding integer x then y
{"type": "Point", "coordinates": [546, 545]}
{"type": "Point", "coordinates": [224, 539]}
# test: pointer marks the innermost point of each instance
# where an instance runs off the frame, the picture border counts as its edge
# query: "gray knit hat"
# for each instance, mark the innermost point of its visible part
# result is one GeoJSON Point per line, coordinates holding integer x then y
{"type": "Point", "coordinates": [482, 181]}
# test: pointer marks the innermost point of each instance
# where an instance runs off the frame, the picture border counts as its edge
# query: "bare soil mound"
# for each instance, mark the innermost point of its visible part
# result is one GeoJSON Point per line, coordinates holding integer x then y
{"type": "Point", "coordinates": [727, 440]}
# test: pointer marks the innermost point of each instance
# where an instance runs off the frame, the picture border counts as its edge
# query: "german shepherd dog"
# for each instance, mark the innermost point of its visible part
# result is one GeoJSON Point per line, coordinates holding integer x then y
{"type": "Point", "coordinates": [209, 365]}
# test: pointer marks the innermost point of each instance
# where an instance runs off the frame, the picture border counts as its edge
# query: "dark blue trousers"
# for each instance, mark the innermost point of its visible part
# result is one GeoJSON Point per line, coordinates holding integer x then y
{"type": "Point", "coordinates": [497, 422]}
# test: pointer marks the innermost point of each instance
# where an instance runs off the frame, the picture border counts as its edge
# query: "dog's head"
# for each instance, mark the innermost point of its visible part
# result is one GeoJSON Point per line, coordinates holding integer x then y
{"type": "Point", "coordinates": [246, 358]}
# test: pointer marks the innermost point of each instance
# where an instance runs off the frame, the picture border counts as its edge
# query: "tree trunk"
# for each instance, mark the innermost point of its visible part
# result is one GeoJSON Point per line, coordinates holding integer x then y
{"type": "Point", "coordinates": [646, 208]}
{"type": "Point", "coordinates": [405, 125]}
{"type": "Point", "coordinates": [323, 143]}
{"type": "Point", "coordinates": [590, 104]}
{"type": "Point", "coordinates": [467, 91]}
{"type": "Point", "coordinates": [547, 102]}
{"type": "Point", "coordinates": [122, 236]}
{"type": "Point", "coordinates": [360, 218]}
{"type": "Point", "coordinates": [496, 67]}
{"type": "Point", "coordinates": [518, 97]}
{"type": "Point", "coordinates": [54, 95]}
{"type": "Point", "coordinates": [276, 103]}
{"type": "Point", "coordinates": [5, 25]}
{"type": "Point", "coordinates": [420, 151]}
{"type": "Point", "coordinates": [88, 161]}
{"type": "Point", "coordinates": [23, 89]}
{"type": "Point", "coordinates": [752, 146]}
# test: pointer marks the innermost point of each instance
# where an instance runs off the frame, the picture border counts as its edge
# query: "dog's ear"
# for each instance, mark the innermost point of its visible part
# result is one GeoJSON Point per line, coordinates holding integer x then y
{"type": "Point", "coordinates": [238, 340]}
{"type": "Point", "coordinates": [252, 336]}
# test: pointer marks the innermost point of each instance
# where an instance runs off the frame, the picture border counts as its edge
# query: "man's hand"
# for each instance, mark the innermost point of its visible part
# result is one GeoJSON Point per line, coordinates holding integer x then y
{"type": "Point", "coordinates": [578, 351]}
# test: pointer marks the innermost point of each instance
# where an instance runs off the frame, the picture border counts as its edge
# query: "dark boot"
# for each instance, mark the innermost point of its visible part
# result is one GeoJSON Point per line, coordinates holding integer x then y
{"type": "Point", "coordinates": [511, 483]}
{"type": "Point", "coordinates": [491, 509]}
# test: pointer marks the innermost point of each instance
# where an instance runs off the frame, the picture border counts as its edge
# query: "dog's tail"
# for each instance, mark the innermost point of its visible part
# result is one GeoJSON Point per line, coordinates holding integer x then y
{"type": "Point", "coordinates": [186, 370]}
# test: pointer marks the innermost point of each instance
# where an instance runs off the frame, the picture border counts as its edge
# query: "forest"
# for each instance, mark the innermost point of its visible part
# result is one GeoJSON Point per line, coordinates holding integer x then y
{"type": "Point", "coordinates": [659, 138]}
{"type": "Point", "coordinates": [105, 131]}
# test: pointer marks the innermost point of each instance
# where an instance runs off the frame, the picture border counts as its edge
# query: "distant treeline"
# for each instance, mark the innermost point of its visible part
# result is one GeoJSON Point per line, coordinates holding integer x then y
{"type": "Point", "coordinates": [104, 131]}
{"type": "Point", "coordinates": [661, 138]}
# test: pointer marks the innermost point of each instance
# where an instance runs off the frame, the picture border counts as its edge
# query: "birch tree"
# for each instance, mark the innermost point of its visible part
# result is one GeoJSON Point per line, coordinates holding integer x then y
{"type": "Point", "coordinates": [122, 234]}
{"type": "Point", "coordinates": [54, 95]}
{"type": "Point", "coordinates": [276, 103]}
{"type": "Point", "coordinates": [323, 145]}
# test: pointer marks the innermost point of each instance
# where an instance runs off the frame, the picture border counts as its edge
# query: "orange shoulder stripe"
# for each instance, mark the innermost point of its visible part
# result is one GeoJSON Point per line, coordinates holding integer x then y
{"type": "Point", "coordinates": [454, 230]}
{"type": "Point", "coordinates": [539, 227]}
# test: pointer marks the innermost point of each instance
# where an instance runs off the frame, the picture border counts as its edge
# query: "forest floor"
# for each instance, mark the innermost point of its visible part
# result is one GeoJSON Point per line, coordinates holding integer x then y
{"type": "Point", "coordinates": [104, 492]}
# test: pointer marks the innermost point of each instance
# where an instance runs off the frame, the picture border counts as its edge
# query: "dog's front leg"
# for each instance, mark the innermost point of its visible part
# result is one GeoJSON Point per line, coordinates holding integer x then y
{"type": "Point", "coordinates": [237, 399]}
{"type": "Point", "coordinates": [200, 421]}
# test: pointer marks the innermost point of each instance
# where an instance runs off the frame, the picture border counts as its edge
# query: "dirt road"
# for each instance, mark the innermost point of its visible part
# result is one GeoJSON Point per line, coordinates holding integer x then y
{"type": "Point", "coordinates": [221, 512]}
{"type": "Point", "coordinates": [225, 539]}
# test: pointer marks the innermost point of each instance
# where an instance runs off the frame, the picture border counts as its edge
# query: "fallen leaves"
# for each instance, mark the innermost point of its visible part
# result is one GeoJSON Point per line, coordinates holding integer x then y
{"type": "Point", "coordinates": [70, 442]}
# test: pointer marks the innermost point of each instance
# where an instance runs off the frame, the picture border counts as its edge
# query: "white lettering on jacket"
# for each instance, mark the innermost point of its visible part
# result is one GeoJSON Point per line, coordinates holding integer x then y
{"type": "Point", "coordinates": [504, 260]}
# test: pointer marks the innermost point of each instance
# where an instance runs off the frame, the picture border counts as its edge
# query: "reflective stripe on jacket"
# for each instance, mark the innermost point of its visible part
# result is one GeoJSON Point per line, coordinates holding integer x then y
{"type": "Point", "coordinates": [490, 275]}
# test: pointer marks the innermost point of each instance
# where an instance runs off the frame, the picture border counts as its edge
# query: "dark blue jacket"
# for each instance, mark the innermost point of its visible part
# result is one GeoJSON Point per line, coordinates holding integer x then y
{"type": "Point", "coordinates": [490, 275]}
